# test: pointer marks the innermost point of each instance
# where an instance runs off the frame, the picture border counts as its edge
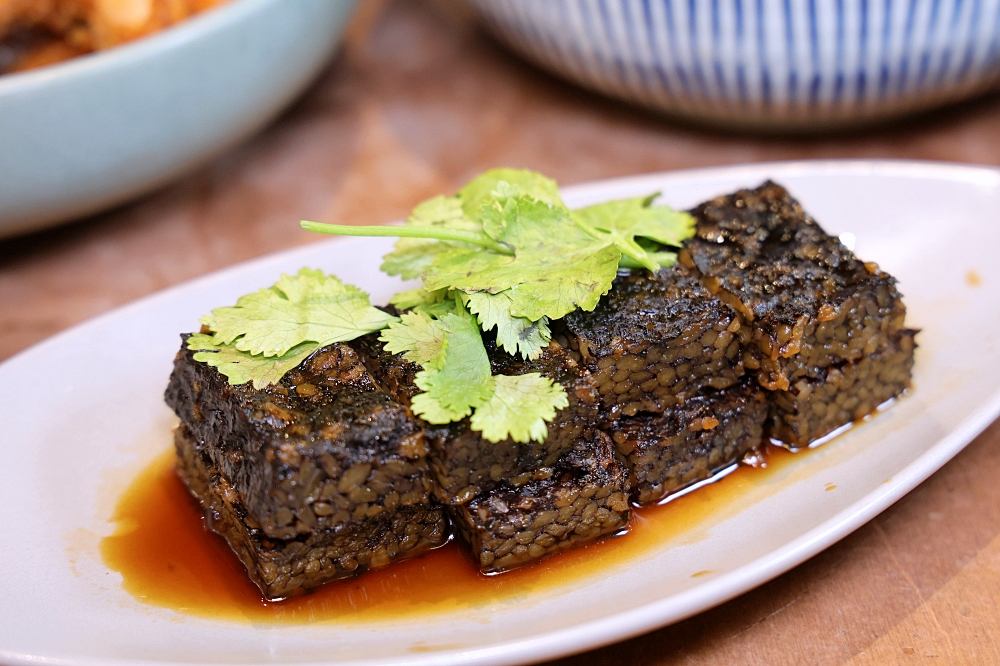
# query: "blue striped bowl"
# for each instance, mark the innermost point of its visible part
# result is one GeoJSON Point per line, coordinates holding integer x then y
{"type": "Point", "coordinates": [775, 64]}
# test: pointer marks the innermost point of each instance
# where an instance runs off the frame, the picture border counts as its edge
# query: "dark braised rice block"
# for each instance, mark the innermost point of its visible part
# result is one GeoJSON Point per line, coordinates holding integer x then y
{"type": "Point", "coordinates": [812, 304]}
{"type": "Point", "coordinates": [496, 492]}
{"type": "Point", "coordinates": [318, 458]}
{"type": "Point", "coordinates": [578, 499]}
{"type": "Point", "coordinates": [812, 408]}
{"type": "Point", "coordinates": [286, 567]}
{"type": "Point", "coordinates": [691, 442]}
{"type": "Point", "coordinates": [655, 340]}
{"type": "Point", "coordinates": [465, 464]}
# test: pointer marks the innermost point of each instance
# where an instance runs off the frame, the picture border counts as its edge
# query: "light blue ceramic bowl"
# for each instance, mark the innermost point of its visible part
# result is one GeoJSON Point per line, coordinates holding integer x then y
{"type": "Point", "coordinates": [774, 64]}
{"type": "Point", "coordinates": [97, 130]}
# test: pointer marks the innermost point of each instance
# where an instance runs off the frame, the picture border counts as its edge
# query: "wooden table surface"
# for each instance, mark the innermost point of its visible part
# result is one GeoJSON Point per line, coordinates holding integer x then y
{"type": "Point", "coordinates": [419, 101]}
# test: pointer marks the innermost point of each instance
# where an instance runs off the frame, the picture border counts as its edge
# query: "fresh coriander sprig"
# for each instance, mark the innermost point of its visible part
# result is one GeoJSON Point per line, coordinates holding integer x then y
{"type": "Point", "coordinates": [269, 332]}
{"type": "Point", "coordinates": [519, 255]}
{"type": "Point", "coordinates": [650, 260]}
{"type": "Point", "coordinates": [642, 259]}
{"type": "Point", "coordinates": [456, 378]}
{"type": "Point", "coordinates": [503, 254]}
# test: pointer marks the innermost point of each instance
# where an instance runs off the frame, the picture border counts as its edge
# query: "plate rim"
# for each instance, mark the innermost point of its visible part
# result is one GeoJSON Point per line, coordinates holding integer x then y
{"type": "Point", "coordinates": [679, 606]}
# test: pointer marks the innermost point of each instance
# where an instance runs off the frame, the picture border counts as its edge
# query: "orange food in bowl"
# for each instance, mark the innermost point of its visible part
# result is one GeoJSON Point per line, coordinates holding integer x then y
{"type": "Point", "coordinates": [35, 33]}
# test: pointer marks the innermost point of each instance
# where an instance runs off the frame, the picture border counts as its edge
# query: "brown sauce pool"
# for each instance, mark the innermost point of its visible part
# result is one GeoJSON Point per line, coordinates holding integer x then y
{"type": "Point", "coordinates": [167, 558]}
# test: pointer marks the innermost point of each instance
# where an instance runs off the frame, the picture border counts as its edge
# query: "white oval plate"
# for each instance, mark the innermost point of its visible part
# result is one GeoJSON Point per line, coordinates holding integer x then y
{"type": "Point", "coordinates": [83, 413]}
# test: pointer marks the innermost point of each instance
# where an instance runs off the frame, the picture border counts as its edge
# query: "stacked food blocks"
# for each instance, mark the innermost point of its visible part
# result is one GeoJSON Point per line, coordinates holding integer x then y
{"type": "Point", "coordinates": [512, 502]}
{"type": "Point", "coordinates": [766, 328]}
{"type": "Point", "coordinates": [656, 340]}
{"type": "Point", "coordinates": [828, 338]}
{"type": "Point", "coordinates": [672, 349]}
{"type": "Point", "coordinates": [318, 477]}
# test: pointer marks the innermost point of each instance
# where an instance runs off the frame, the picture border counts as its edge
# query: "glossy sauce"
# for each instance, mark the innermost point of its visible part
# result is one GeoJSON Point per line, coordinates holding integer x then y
{"type": "Point", "coordinates": [167, 558]}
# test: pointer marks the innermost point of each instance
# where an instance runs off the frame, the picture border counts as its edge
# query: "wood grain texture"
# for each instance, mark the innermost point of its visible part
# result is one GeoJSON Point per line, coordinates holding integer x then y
{"type": "Point", "coordinates": [417, 102]}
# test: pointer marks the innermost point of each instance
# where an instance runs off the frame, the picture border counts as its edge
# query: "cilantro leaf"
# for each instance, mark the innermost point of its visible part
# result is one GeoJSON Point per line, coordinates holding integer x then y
{"type": "Point", "coordinates": [417, 337]}
{"type": "Point", "coordinates": [515, 334]}
{"type": "Point", "coordinates": [459, 378]}
{"type": "Point", "coordinates": [412, 298]}
{"type": "Point", "coordinates": [480, 189]}
{"type": "Point", "coordinates": [457, 268]}
{"type": "Point", "coordinates": [519, 408]}
{"type": "Point", "coordinates": [240, 367]}
{"type": "Point", "coordinates": [518, 257]}
{"type": "Point", "coordinates": [412, 256]}
{"type": "Point", "coordinates": [442, 211]}
{"type": "Point", "coordinates": [307, 307]}
{"type": "Point", "coordinates": [427, 407]}
{"type": "Point", "coordinates": [456, 379]}
{"type": "Point", "coordinates": [557, 267]}
{"type": "Point", "coordinates": [628, 219]}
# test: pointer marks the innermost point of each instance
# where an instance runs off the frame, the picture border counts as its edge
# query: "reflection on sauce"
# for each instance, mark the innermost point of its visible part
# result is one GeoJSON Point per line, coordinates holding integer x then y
{"type": "Point", "coordinates": [168, 559]}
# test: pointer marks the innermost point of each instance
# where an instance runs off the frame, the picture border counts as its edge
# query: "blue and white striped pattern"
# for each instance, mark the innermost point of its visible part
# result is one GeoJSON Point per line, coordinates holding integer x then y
{"type": "Point", "coordinates": [764, 63]}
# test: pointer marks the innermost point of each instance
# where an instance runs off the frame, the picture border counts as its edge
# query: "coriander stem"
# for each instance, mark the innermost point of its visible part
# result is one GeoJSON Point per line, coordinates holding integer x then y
{"type": "Point", "coordinates": [589, 230]}
{"type": "Point", "coordinates": [642, 259]}
{"type": "Point", "coordinates": [662, 258]}
{"type": "Point", "coordinates": [636, 253]}
{"type": "Point", "coordinates": [435, 233]}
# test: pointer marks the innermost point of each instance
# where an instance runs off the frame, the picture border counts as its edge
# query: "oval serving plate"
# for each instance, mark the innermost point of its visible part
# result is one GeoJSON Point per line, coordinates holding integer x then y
{"type": "Point", "coordinates": [83, 414]}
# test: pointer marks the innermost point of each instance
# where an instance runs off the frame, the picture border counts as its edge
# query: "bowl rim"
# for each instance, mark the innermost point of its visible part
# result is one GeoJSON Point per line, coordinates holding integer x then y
{"type": "Point", "coordinates": [168, 39]}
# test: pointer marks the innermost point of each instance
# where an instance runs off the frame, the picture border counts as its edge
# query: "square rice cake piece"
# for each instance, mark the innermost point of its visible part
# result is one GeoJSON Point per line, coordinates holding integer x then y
{"type": "Point", "coordinates": [464, 463]}
{"type": "Point", "coordinates": [322, 451]}
{"type": "Point", "coordinates": [692, 441]}
{"type": "Point", "coordinates": [499, 490]}
{"type": "Point", "coordinates": [810, 302]}
{"type": "Point", "coordinates": [655, 340]}
{"type": "Point", "coordinates": [815, 407]}
{"type": "Point", "coordinates": [283, 568]}
{"type": "Point", "coordinates": [580, 498]}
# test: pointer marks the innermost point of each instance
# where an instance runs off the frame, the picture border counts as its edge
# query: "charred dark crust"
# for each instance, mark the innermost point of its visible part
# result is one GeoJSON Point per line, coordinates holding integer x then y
{"type": "Point", "coordinates": [692, 442]}
{"type": "Point", "coordinates": [811, 303]}
{"type": "Point", "coordinates": [655, 340]}
{"type": "Point", "coordinates": [320, 449]}
{"type": "Point", "coordinates": [287, 567]}
{"type": "Point", "coordinates": [391, 372]}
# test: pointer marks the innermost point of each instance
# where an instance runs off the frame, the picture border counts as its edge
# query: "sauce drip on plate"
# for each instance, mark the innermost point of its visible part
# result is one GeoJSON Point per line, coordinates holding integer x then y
{"type": "Point", "coordinates": [167, 558]}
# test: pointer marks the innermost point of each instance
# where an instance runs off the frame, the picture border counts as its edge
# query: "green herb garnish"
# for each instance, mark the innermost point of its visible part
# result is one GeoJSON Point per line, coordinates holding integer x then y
{"type": "Point", "coordinates": [240, 367]}
{"type": "Point", "coordinates": [456, 378]}
{"type": "Point", "coordinates": [269, 332]}
{"type": "Point", "coordinates": [505, 254]}
{"type": "Point", "coordinates": [508, 237]}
